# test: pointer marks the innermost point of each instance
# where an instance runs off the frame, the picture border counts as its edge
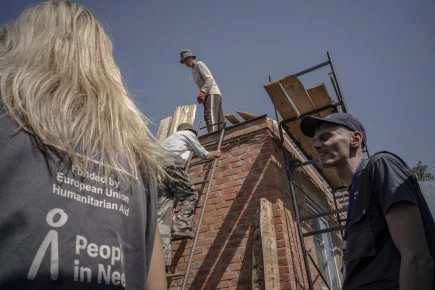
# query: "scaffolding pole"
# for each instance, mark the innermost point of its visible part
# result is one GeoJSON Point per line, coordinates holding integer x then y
{"type": "Point", "coordinates": [341, 104]}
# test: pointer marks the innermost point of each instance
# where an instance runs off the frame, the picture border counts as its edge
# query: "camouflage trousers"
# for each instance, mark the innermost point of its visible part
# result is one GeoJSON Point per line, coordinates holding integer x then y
{"type": "Point", "coordinates": [180, 188]}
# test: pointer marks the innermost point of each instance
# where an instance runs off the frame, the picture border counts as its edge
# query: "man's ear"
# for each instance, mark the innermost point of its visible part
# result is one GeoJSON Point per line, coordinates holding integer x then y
{"type": "Point", "coordinates": [356, 140]}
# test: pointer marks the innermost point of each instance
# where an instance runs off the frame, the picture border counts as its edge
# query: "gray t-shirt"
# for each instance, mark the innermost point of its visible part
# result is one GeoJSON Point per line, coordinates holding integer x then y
{"type": "Point", "coordinates": [62, 228]}
{"type": "Point", "coordinates": [204, 79]}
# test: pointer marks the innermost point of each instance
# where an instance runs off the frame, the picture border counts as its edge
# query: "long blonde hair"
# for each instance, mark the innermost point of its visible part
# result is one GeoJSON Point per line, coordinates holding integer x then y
{"type": "Point", "coordinates": [59, 82]}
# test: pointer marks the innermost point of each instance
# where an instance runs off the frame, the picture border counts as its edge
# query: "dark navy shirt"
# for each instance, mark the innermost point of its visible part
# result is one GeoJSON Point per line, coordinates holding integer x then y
{"type": "Point", "coordinates": [63, 228]}
{"type": "Point", "coordinates": [372, 259]}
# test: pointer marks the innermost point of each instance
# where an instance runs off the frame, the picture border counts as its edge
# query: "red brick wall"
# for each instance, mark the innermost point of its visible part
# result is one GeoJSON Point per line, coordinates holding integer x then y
{"type": "Point", "coordinates": [251, 168]}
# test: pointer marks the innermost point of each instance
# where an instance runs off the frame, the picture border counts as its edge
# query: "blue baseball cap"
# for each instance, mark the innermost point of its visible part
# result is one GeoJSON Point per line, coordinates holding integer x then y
{"type": "Point", "coordinates": [309, 124]}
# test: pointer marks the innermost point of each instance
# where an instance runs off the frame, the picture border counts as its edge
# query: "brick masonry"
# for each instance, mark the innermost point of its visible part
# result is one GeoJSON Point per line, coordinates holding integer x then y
{"type": "Point", "coordinates": [251, 168]}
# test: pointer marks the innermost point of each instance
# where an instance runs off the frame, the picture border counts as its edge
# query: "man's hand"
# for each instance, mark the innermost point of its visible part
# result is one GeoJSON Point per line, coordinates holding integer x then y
{"type": "Point", "coordinates": [200, 97]}
{"type": "Point", "coordinates": [214, 154]}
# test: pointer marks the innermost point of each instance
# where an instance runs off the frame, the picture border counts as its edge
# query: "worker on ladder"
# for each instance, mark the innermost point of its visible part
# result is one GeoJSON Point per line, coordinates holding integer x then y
{"type": "Point", "coordinates": [209, 93]}
{"type": "Point", "coordinates": [178, 186]}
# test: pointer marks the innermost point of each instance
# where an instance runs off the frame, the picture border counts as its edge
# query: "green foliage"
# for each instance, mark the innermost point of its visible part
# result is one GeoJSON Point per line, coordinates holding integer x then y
{"type": "Point", "coordinates": [420, 171]}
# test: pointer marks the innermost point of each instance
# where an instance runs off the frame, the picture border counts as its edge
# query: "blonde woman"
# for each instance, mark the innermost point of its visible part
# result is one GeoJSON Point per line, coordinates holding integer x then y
{"type": "Point", "coordinates": [78, 168]}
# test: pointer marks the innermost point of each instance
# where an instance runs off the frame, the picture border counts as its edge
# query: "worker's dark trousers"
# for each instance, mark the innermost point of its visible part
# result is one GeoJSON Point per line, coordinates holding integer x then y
{"type": "Point", "coordinates": [181, 188]}
{"type": "Point", "coordinates": [213, 113]}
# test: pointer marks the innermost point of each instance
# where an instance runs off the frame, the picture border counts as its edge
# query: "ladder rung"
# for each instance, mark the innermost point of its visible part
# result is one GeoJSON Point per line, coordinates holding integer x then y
{"type": "Point", "coordinates": [201, 182]}
{"type": "Point", "coordinates": [172, 276]}
{"type": "Point", "coordinates": [333, 229]}
{"type": "Point", "coordinates": [322, 214]}
{"type": "Point", "coordinates": [181, 238]}
{"type": "Point", "coordinates": [199, 223]}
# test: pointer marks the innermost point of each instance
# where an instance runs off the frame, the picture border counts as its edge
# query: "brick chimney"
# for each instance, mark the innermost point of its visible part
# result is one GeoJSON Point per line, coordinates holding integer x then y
{"type": "Point", "coordinates": [250, 173]}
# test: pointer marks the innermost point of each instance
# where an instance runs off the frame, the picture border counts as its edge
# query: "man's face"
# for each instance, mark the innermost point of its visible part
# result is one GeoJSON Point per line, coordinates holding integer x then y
{"type": "Point", "coordinates": [332, 145]}
{"type": "Point", "coordinates": [189, 62]}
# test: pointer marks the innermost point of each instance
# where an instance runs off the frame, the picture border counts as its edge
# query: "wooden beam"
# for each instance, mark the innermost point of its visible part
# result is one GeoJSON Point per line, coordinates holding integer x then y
{"type": "Point", "coordinates": [191, 113]}
{"type": "Point", "coordinates": [303, 103]}
{"type": "Point", "coordinates": [296, 92]}
{"type": "Point", "coordinates": [257, 257]}
{"type": "Point", "coordinates": [280, 100]}
{"type": "Point", "coordinates": [179, 114]}
{"type": "Point", "coordinates": [245, 115]}
{"type": "Point", "coordinates": [269, 247]}
{"type": "Point", "coordinates": [162, 133]}
{"type": "Point", "coordinates": [320, 97]}
{"type": "Point", "coordinates": [232, 119]}
{"type": "Point", "coordinates": [175, 120]}
{"type": "Point", "coordinates": [182, 114]}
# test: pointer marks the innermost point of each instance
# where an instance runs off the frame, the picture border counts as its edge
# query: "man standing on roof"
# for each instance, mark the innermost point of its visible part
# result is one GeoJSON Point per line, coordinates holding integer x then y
{"type": "Point", "coordinates": [179, 187]}
{"type": "Point", "coordinates": [389, 240]}
{"type": "Point", "coordinates": [209, 93]}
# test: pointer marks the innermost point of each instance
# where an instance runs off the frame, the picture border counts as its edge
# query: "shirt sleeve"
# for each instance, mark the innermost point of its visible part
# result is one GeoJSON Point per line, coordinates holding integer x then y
{"type": "Point", "coordinates": [392, 182]}
{"type": "Point", "coordinates": [208, 78]}
{"type": "Point", "coordinates": [194, 144]}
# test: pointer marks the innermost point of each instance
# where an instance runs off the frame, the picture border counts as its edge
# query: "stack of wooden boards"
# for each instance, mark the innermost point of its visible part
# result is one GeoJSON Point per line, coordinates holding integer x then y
{"type": "Point", "coordinates": [292, 100]}
{"type": "Point", "coordinates": [245, 116]}
{"type": "Point", "coordinates": [169, 125]}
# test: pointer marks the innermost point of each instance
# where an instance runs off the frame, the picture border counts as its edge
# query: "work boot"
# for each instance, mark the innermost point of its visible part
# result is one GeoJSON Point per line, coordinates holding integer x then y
{"type": "Point", "coordinates": [177, 234]}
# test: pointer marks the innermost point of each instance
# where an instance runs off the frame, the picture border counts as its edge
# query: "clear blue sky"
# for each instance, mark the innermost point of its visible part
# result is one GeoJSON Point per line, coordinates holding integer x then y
{"type": "Point", "coordinates": [383, 52]}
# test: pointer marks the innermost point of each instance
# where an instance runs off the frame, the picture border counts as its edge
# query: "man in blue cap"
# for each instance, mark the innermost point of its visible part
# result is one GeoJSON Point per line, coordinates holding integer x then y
{"type": "Point", "coordinates": [389, 240]}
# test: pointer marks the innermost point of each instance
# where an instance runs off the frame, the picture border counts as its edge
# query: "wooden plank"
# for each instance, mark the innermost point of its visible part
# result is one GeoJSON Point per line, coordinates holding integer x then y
{"type": "Point", "coordinates": [299, 96]}
{"type": "Point", "coordinates": [232, 119]}
{"type": "Point", "coordinates": [320, 97]}
{"type": "Point", "coordinates": [175, 120]}
{"type": "Point", "coordinates": [245, 115]}
{"type": "Point", "coordinates": [162, 133]}
{"type": "Point", "coordinates": [269, 247]}
{"type": "Point", "coordinates": [182, 114]}
{"type": "Point", "coordinates": [303, 103]}
{"type": "Point", "coordinates": [190, 115]}
{"type": "Point", "coordinates": [257, 257]}
{"type": "Point", "coordinates": [280, 100]}
{"type": "Point", "coordinates": [296, 92]}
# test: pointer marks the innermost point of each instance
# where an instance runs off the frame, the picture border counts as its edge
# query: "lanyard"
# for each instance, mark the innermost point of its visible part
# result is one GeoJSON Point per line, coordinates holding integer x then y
{"type": "Point", "coordinates": [351, 198]}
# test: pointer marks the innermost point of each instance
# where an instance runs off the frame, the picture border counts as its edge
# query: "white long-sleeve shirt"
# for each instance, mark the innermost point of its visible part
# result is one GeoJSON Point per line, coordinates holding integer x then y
{"type": "Point", "coordinates": [204, 79]}
{"type": "Point", "coordinates": [181, 143]}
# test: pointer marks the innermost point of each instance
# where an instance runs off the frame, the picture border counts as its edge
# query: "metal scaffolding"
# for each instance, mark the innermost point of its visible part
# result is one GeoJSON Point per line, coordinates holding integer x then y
{"type": "Point", "coordinates": [339, 106]}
